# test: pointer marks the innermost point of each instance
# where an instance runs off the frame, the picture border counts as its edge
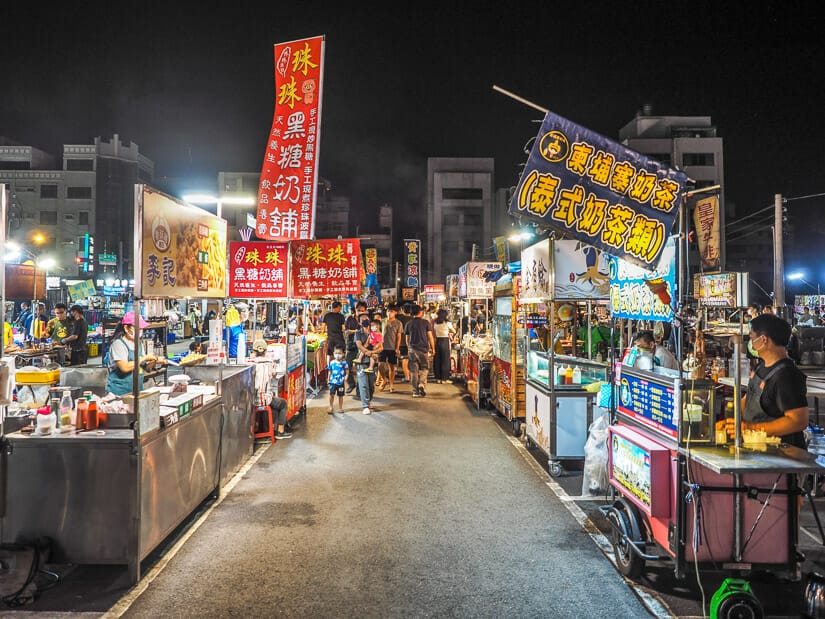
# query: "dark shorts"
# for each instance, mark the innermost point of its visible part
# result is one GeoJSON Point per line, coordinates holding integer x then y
{"type": "Point", "coordinates": [336, 389]}
{"type": "Point", "coordinates": [403, 352]}
{"type": "Point", "coordinates": [388, 356]}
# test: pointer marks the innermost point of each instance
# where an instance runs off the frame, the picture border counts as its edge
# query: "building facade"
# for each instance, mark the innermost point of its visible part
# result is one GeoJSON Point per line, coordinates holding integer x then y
{"type": "Point", "coordinates": [78, 211]}
{"type": "Point", "coordinates": [460, 213]}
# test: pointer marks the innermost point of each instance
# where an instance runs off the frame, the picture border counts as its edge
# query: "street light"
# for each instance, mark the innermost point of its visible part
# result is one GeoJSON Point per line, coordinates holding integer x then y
{"type": "Point", "coordinates": [800, 276]}
{"type": "Point", "coordinates": [206, 198]}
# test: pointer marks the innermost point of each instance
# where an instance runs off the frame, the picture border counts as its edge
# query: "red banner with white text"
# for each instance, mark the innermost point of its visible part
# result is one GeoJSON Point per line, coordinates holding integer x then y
{"type": "Point", "coordinates": [289, 176]}
{"type": "Point", "coordinates": [258, 269]}
{"type": "Point", "coordinates": [326, 268]}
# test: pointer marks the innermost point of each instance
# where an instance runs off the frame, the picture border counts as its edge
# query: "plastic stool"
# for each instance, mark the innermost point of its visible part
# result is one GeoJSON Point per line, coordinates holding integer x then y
{"type": "Point", "coordinates": [271, 431]}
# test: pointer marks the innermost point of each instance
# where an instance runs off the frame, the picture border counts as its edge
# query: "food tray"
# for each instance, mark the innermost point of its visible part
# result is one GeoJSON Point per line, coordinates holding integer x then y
{"type": "Point", "coordinates": [36, 376]}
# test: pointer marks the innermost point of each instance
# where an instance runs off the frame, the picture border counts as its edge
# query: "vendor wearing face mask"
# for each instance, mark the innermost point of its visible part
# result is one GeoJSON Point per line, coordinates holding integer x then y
{"type": "Point", "coordinates": [662, 357]}
{"type": "Point", "coordinates": [776, 401]}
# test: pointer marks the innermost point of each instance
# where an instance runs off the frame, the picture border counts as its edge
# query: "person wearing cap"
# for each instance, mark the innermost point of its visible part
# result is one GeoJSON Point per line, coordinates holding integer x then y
{"type": "Point", "coordinates": [267, 390]}
{"type": "Point", "coordinates": [76, 340]}
{"type": "Point", "coordinates": [121, 356]}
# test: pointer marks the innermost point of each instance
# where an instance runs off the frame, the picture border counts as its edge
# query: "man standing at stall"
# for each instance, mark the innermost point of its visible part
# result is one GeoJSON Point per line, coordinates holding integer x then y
{"type": "Point", "coordinates": [777, 398]}
{"type": "Point", "coordinates": [59, 327]}
{"type": "Point", "coordinates": [420, 345]}
{"type": "Point", "coordinates": [334, 322]}
{"type": "Point", "coordinates": [662, 357]}
{"type": "Point", "coordinates": [76, 340]}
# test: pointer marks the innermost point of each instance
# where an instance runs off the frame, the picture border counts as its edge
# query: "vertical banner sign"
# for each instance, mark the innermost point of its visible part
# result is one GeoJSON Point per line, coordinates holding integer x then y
{"type": "Point", "coordinates": [706, 220]}
{"type": "Point", "coordinates": [412, 264]}
{"type": "Point", "coordinates": [287, 190]}
{"type": "Point", "coordinates": [371, 260]}
{"type": "Point", "coordinates": [258, 270]}
{"type": "Point", "coordinates": [182, 248]}
{"type": "Point", "coordinates": [536, 273]}
{"type": "Point", "coordinates": [502, 249]}
{"type": "Point", "coordinates": [326, 268]}
{"type": "Point", "coordinates": [599, 192]}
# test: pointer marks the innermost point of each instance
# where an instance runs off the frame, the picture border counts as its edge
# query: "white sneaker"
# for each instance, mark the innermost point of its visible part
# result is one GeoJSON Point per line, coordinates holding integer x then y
{"type": "Point", "coordinates": [366, 411]}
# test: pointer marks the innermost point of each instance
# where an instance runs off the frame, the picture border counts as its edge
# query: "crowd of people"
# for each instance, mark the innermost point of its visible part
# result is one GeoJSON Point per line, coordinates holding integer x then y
{"type": "Point", "coordinates": [368, 346]}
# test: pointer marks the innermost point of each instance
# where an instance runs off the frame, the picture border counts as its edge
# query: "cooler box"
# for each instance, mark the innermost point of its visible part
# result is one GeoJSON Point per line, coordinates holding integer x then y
{"type": "Point", "coordinates": [94, 349]}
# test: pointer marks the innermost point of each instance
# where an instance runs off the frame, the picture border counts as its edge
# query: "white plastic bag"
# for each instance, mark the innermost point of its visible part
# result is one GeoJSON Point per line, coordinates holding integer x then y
{"type": "Point", "coordinates": [594, 476]}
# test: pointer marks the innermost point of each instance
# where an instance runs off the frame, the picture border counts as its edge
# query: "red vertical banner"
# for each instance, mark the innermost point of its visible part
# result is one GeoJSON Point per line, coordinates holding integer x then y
{"type": "Point", "coordinates": [258, 270]}
{"type": "Point", "coordinates": [326, 268]}
{"type": "Point", "coordinates": [289, 176]}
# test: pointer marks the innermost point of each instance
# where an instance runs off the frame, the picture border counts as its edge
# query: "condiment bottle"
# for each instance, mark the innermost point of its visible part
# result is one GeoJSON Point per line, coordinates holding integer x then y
{"type": "Point", "coordinates": [65, 409]}
{"type": "Point", "coordinates": [560, 375]}
{"type": "Point", "coordinates": [568, 375]}
{"type": "Point", "coordinates": [80, 414]}
{"type": "Point", "coordinates": [54, 406]}
{"type": "Point", "coordinates": [577, 376]}
{"type": "Point", "coordinates": [91, 415]}
{"type": "Point", "coordinates": [46, 420]}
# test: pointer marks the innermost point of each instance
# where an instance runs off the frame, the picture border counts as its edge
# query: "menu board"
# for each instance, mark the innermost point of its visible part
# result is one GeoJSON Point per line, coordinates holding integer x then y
{"type": "Point", "coordinates": [721, 289]}
{"type": "Point", "coordinates": [650, 403]}
{"type": "Point", "coordinates": [183, 248]}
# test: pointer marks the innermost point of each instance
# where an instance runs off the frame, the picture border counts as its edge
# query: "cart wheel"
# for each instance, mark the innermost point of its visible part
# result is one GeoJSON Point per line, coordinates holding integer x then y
{"type": "Point", "coordinates": [516, 428]}
{"type": "Point", "coordinates": [629, 563]}
{"type": "Point", "coordinates": [554, 468]}
{"type": "Point", "coordinates": [528, 442]}
{"type": "Point", "coordinates": [741, 605]}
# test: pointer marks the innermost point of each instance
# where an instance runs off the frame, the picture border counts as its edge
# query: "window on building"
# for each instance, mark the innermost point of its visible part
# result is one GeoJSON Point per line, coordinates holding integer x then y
{"type": "Point", "coordinates": [48, 190]}
{"type": "Point", "coordinates": [83, 218]}
{"type": "Point", "coordinates": [665, 158]}
{"type": "Point", "coordinates": [473, 217]}
{"type": "Point", "coordinates": [462, 193]}
{"type": "Point", "coordinates": [79, 193]}
{"type": "Point", "coordinates": [48, 218]}
{"type": "Point", "coordinates": [80, 165]}
{"type": "Point", "coordinates": [451, 219]}
{"type": "Point", "coordinates": [697, 159]}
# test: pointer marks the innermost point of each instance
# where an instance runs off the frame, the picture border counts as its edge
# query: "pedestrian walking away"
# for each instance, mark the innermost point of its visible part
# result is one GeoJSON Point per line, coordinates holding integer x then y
{"type": "Point", "coordinates": [334, 322]}
{"type": "Point", "coordinates": [388, 358]}
{"type": "Point", "coordinates": [444, 333]}
{"type": "Point", "coordinates": [420, 345]}
{"type": "Point", "coordinates": [352, 326]}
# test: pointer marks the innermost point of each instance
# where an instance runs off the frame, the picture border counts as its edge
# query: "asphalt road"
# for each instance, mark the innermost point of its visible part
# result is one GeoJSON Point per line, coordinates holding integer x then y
{"type": "Point", "coordinates": [423, 509]}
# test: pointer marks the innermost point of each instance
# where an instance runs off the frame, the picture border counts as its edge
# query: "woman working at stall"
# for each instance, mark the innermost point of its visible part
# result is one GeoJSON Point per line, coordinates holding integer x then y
{"type": "Point", "coordinates": [121, 362]}
{"type": "Point", "coordinates": [777, 398]}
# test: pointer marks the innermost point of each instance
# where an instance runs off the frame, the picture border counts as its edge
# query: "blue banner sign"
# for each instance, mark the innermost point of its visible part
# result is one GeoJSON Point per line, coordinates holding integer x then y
{"type": "Point", "coordinates": [639, 294]}
{"type": "Point", "coordinates": [597, 191]}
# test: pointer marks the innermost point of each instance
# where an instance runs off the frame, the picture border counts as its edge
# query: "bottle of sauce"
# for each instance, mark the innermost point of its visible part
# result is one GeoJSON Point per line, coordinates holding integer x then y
{"type": "Point", "coordinates": [568, 375]}
{"type": "Point", "coordinates": [91, 415]}
{"type": "Point", "coordinates": [577, 376]}
{"type": "Point", "coordinates": [80, 414]}
{"type": "Point", "coordinates": [65, 409]}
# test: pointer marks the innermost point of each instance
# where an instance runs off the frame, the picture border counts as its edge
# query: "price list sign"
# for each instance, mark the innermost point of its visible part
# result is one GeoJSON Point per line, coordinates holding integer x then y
{"type": "Point", "coordinates": [649, 403]}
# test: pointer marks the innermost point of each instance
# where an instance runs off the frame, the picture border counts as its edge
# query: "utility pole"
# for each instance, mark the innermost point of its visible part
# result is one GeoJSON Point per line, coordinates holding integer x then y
{"type": "Point", "coordinates": [397, 284]}
{"type": "Point", "coordinates": [778, 257]}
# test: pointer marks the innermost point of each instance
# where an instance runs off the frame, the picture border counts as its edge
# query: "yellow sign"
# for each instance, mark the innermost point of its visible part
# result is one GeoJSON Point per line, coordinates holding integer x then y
{"type": "Point", "coordinates": [183, 249]}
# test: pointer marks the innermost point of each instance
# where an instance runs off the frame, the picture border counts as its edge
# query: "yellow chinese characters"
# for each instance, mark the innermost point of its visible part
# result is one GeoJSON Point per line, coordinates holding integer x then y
{"type": "Point", "coordinates": [302, 60]}
{"type": "Point", "coordinates": [288, 94]}
{"type": "Point", "coordinates": [538, 192]}
{"type": "Point", "coordinates": [273, 257]}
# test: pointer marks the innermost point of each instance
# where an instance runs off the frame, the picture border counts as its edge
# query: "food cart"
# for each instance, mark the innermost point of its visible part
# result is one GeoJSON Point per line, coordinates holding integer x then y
{"type": "Point", "coordinates": [476, 355]}
{"type": "Point", "coordinates": [507, 380]}
{"type": "Point", "coordinates": [559, 278]}
{"type": "Point", "coordinates": [163, 453]}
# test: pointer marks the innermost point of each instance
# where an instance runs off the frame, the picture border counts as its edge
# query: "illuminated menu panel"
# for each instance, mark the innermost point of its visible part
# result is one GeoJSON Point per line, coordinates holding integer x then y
{"type": "Point", "coordinates": [650, 403]}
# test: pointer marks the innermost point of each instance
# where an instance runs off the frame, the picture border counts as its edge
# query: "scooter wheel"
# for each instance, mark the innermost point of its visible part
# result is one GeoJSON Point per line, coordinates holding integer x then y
{"type": "Point", "coordinates": [740, 605]}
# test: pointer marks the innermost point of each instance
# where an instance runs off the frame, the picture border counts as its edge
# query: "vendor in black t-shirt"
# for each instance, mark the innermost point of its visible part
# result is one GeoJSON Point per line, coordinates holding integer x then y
{"type": "Point", "coordinates": [776, 401]}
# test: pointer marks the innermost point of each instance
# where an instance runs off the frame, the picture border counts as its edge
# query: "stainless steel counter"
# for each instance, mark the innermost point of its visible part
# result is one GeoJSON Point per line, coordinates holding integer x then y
{"type": "Point", "coordinates": [782, 459]}
{"type": "Point", "coordinates": [105, 497]}
{"type": "Point", "coordinates": [236, 386]}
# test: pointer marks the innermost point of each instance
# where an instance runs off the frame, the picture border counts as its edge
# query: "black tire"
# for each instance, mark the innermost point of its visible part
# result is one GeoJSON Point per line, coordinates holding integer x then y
{"type": "Point", "coordinates": [628, 562]}
{"type": "Point", "coordinates": [740, 605]}
{"type": "Point", "coordinates": [516, 428]}
{"type": "Point", "coordinates": [554, 468]}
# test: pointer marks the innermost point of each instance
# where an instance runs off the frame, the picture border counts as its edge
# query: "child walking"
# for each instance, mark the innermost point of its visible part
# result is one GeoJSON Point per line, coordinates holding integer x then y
{"type": "Point", "coordinates": [337, 371]}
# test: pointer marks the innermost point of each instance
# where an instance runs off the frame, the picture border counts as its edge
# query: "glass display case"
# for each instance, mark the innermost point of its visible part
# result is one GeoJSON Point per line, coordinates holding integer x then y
{"type": "Point", "coordinates": [577, 372]}
{"type": "Point", "coordinates": [502, 330]}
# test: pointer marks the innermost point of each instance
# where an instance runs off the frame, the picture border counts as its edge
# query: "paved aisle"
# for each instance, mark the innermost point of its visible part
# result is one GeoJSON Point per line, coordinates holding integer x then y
{"type": "Point", "coordinates": [422, 509]}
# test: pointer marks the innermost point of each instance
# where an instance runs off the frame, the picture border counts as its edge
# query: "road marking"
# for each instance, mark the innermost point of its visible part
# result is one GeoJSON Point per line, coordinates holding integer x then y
{"type": "Point", "coordinates": [131, 596]}
{"type": "Point", "coordinates": [649, 598]}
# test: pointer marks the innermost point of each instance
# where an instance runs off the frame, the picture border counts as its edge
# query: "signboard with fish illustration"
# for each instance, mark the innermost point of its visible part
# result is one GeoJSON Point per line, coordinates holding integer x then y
{"type": "Point", "coordinates": [581, 271]}
{"type": "Point", "coordinates": [639, 294]}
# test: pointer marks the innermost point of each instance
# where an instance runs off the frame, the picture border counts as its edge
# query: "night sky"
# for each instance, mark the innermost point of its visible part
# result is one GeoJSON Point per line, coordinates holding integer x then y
{"type": "Point", "coordinates": [192, 85]}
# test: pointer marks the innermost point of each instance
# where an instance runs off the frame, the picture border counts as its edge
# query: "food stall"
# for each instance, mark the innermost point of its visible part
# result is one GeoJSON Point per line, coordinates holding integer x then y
{"type": "Point", "coordinates": [476, 353]}
{"type": "Point", "coordinates": [507, 380]}
{"type": "Point", "coordinates": [164, 450]}
{"type": "Point", "coordinates": [558, 279]}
